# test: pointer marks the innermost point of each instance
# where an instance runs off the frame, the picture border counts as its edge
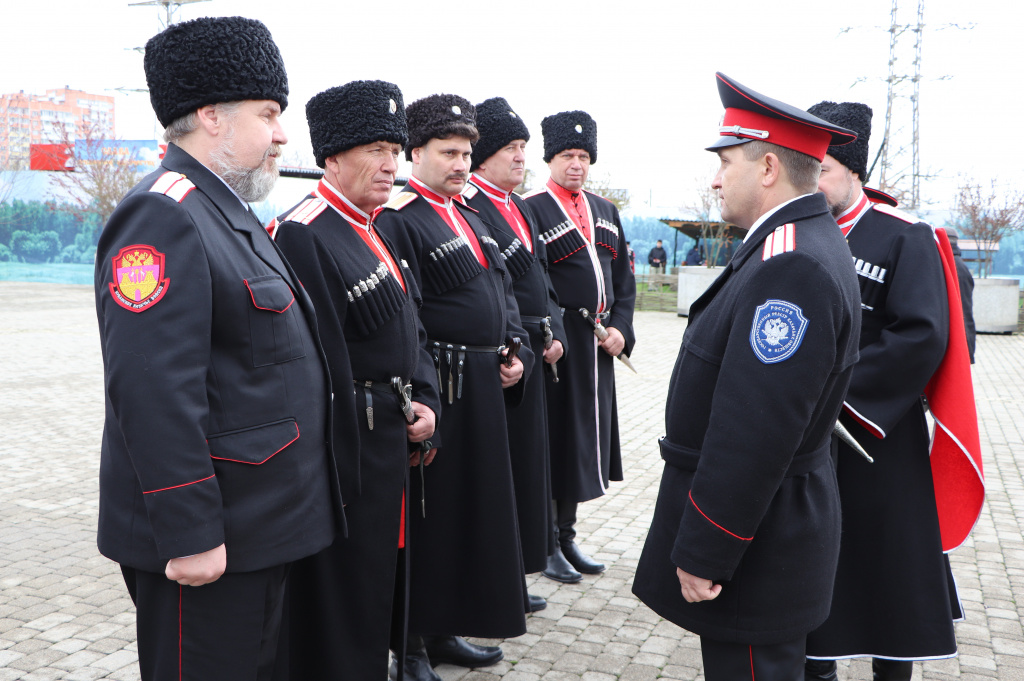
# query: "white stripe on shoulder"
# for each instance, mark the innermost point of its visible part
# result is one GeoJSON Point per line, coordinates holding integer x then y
{"type": "Point", "coordinates": [172, 184]}
{"type": "Point", "coordinates": [534, 192]}
{"type": "Point", "coordinates": [307, 211]}
{"type": "Point", "coordinates": [782, 240]}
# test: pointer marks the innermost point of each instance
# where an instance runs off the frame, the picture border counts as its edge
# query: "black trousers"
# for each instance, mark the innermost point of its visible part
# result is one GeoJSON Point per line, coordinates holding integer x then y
{"type": "Point", "coordinates": [227, 630]}
{"type": "Point", "coordinates": [742, 662]}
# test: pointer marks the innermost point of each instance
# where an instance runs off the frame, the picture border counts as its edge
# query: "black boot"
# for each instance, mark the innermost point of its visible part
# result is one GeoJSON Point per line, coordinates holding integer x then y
{"type": "Point", "coordinates": [891, 670]}
{"type": "Point", "coordinates": [460, 652]}
{"type": "Point", "coordinates": [537, 603]}
{"type": "Point", "coordinates": [565, 514]}
{"type": "Point", "coordinates": [416, 665]}
{"type": "Point", "coordinates": [560, 570]}
{"type": "Point", "coordinates": [820, 670]}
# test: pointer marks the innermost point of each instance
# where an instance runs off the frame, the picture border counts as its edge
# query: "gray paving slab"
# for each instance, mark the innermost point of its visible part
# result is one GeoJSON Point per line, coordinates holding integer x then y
{"type": "Point", "coordinates": [64, 612]}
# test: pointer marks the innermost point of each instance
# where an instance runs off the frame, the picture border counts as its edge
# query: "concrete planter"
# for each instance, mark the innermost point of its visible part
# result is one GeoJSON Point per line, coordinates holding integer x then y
{"type": "Point", "coordinates": [693, 281]}
{"type": "Point", "coordinates": [996, 305]}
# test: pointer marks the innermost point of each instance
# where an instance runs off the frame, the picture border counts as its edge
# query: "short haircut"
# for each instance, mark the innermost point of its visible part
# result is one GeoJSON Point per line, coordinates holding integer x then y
{"type": "Point", "coordinates": [450, 130]}
{"type": "Point", "coordinates": [184, 126]}
{"type": "Point", "coordinates": [802, 170]}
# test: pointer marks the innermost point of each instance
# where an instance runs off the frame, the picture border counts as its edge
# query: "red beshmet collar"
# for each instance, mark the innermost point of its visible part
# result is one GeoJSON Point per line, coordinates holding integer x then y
{"type": "Point", "coordinates": [494, 192]}
{"type": "Point", "coordinates": [347, 209]}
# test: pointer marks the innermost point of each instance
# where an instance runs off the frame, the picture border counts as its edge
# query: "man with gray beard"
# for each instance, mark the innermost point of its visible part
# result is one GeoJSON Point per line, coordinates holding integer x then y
{"type": "Point", "coordinates": [216, 470]}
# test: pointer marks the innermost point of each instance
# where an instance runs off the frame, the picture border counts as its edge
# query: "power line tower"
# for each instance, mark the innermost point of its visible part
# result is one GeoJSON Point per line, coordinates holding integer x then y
{"type": "Point", "coordinates": [170, 7]}
{"type": "Point", "coordinates": [900, 153]}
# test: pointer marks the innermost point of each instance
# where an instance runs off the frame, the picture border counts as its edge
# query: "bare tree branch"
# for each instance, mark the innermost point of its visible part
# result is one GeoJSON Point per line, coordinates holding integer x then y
{"type": "Point", "coordinates": [986, 214]}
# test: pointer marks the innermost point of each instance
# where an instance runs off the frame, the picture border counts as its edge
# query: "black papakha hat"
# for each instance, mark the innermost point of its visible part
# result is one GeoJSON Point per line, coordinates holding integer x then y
{"type": "Point", "coordinates": [751, 116]}
{"type": "Point", "coordinates": [569, 130]}
{"type": "Point", "coordinates": [212, 60]}
{"type": "Point", "coordinates": [498, 125]}
{"type": "Point", "coordinates": [856, 117]}
{"type": "Point", "coordinates": [440, 117]}
{"type": "Point", "coordinates": [359, 112]}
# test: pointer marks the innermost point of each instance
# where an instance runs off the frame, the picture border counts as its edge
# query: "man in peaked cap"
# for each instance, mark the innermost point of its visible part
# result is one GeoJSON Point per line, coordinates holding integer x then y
{"type": "Point", "coordinates": [894, 598]}
{"type": "Point", "coordinates": [341, 599]}
{"type": "Point", "coordinates": [499, 163]}
{"type": "Point", "coordinates": [466, 574]}
{"type": "Point", "coordinates": [589, 269]}
{"type": "Point", "coordinates": [745, 537]}
{"type": "Point", "coordinates": [216, 444]}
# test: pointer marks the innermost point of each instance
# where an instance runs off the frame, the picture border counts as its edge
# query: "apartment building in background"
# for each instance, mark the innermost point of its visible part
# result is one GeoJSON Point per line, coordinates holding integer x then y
{"type": "Point", "coordinates": [27, 119]}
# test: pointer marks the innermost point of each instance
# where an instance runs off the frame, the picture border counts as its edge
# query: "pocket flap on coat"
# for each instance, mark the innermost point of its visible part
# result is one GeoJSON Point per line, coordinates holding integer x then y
{"type": "Point", "coordinates": [270, 293]}
{"type": "Point", "coordinates": [254, 445]}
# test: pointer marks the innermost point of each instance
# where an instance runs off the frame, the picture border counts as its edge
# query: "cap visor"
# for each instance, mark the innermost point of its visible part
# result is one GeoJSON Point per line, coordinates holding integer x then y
{"type": "Point", "coordinates": [727, 141]}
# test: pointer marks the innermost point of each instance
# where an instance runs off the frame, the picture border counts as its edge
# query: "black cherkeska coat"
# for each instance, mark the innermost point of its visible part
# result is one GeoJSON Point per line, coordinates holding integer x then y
{"type": "Point", "coordinates": [217, 393]}
{"type": "Point", "coordinates": [528, 421]}
{"type": "Point", "coordinates": [466, 565]}
{"type": "Point", "coordinates": [584, 432]}
{"type": "Point", "coordinates": [894, 594]}
{"type": "Point", "coordinates": [341, 599]}
{"type": "Point", "coordinates": [748, 498]}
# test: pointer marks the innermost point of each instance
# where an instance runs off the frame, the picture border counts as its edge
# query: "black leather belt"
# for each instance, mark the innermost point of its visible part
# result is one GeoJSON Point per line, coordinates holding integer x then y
{"type": "Point", "coordinates": [529, 319]}
{"type": "Point", "coordinates": [439, 347]}
{"type": "Point", "coordinates": [685, 458]}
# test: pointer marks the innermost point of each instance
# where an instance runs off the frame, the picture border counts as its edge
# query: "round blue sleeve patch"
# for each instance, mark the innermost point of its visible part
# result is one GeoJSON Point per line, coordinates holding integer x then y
{"type": "Point", "coordinates": [777, 331]}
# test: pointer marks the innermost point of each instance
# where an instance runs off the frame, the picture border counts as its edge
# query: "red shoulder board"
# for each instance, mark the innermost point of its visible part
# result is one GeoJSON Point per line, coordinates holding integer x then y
{"type": "Point", "coordinates": [139, 281]}
{"type": "Point", "coordinates": [782, 240]}
{"type": "Point", "coordinates": [307, 211]}
{"type": "Point", "coordinates": [895, 212]}
{"type": "Point", "coordinates": [174, 185]}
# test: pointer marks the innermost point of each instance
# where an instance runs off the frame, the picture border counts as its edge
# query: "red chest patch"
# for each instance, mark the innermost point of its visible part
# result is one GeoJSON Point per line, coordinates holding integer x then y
{"type": "Point", "coordinates": [139, 281]}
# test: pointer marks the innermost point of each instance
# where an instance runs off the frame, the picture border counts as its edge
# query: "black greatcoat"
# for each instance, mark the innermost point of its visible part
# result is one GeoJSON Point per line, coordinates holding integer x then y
{"type": "Point", "coordinates": [466, 565]}
{"type": "Point", "coordinates": [585, 452]}
{"type": "Point", "coordinates": [528, 421]}
{"type": "Point", "coordinates": [340, 600]}
{"type": "Point", "coordinates": [217, 395]}
{"type": "Point", "coordinates": [894, 594]}
{"type": "Point", "coordinates": [748, 498]}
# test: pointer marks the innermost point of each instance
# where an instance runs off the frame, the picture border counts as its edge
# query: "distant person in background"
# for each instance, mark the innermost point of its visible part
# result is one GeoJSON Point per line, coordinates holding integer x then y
{"type": "Point", "coordinates": [632, 258]}
{"type": "Point", "coordinates": [963, 275]}
{"type": "Point", "coordinates": [656, 259]}
{"type": "Point", "coordinates": [695, 256]}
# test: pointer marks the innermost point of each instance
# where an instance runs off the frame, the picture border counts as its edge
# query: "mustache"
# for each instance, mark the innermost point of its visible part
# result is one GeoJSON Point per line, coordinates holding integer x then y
{"type": "Point", "coordinates": [457, 176]}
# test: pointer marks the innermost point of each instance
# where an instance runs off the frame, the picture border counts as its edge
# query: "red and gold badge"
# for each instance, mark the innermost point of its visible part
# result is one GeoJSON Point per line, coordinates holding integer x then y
{"type": "Point", "coordinates": [138, 277]}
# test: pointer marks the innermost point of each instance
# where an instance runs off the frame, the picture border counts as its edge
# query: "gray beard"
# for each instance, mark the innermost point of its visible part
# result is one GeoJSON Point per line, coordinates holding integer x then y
{"type": "Point", "coordinates": [251, 184]}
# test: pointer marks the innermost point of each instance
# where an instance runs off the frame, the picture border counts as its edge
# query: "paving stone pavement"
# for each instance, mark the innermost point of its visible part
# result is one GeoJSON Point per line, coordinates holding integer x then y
{"type": "Point", "coordinates": [65, 614]}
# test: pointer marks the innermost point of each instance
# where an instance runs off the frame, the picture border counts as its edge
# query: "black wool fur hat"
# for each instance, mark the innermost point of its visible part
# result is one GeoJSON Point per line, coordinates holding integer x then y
{"type": "Point", "coordinates": [498, 125]}
{"type": "Point", "coordinates": [440, 117]}
{"type": "Point", "coordinates": [569, 130]}
{"type": "Point", "coordinates": [854, 116]}
{"type": "Point", "coordinates": [359, 112]}
{"type": "Point", "coordinates": [212, 60]}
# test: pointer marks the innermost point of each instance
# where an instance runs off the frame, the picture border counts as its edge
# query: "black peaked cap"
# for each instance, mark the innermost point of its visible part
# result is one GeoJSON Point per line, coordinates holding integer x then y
{"type": "Point", "coordinates": [498, 125]}
{"type": "Point", "coordinates": [569, 130]}
{"type": "Point", "coordinates": [437, 116]}
{"type": "Point", "coordinates": [212, 60]}
{"type": "Point", "coordinates": [856, 117]}
{"type": "Point", "coordinates": [359, 112]}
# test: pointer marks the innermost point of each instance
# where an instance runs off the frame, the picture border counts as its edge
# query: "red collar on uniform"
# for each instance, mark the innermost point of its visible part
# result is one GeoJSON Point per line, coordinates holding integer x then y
{"type": "Point", "coordinates": [561, 192]}
{"type": "Point", "coordinates": [492, 191]}
{"type": "Point", "coordinates": [348, 210]}
{"type": "Point", "coordinates": [849, 217]}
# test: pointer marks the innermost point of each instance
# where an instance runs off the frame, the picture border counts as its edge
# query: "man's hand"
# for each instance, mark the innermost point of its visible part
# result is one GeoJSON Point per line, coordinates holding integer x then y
{"type": "Point", "coordinates": [554, 353]}
{"type": "Point", "coordinates": [614, 344]}
{"type": "Point", "coordinates": [696, 589]}
{"type": "Point", "coordinates": [202, 568]}
{"type": "Point", "coordinates": [423, 427]}
{"type": "Point", "coordinates": [414, 458]}
{"type": "Point", "coordinates": [510, 375]}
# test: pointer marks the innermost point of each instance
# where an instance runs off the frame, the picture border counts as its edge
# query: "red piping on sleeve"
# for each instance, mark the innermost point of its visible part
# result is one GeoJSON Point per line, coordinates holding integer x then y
{"type": "Point", "coordinates": [185, 484]}
{"type": "Point", "coordinates": [714, 523]}
{"type": "Point", "coordinates": [868, 425]}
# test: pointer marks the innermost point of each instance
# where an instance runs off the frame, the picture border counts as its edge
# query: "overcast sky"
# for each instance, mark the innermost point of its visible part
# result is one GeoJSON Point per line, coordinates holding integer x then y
{"type": "Point", "coordinates": [643, 70]}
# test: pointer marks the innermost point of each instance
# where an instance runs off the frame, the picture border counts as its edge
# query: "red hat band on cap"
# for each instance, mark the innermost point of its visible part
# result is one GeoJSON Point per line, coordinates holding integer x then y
{"type": "Point", "coordinates": [790, 134]}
